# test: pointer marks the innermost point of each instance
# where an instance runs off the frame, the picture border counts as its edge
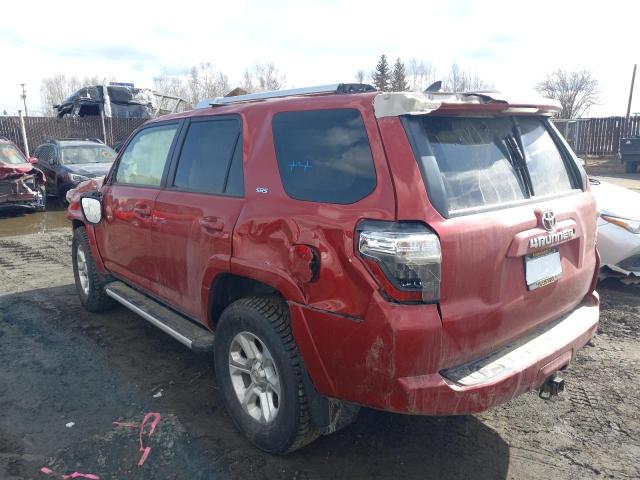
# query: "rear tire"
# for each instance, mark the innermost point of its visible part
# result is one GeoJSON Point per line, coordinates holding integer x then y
{"type": "Point", "coordinates": [631, 167]}
{"type": "Point", "coordinates": [89, 281]}
{"type": "Point", "coordinates": [261, 326]}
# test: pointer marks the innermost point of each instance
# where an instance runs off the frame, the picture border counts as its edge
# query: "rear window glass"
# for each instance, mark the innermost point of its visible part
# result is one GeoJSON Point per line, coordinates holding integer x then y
{"type": "Point", "coordinates": [544, 162]}
{"type": "Point", "coordinates": [485, 162]}
{"type": "Point", "coordinates": [324, 155]}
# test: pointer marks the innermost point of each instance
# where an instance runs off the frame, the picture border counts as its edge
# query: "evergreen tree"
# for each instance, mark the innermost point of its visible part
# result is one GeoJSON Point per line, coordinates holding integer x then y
{"type": "Point", "coordinates": [399, 78]}
{"type": "Point", "coordinates": [382, 75]}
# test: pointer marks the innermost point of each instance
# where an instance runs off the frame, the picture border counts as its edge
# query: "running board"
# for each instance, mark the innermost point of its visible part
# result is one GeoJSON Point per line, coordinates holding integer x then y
{"type": "Point", "coordinates": [187, 332]}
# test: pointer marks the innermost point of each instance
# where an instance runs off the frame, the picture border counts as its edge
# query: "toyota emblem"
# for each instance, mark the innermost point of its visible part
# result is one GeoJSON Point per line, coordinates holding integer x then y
{"type": "Point", "coordinates": [548, 220]}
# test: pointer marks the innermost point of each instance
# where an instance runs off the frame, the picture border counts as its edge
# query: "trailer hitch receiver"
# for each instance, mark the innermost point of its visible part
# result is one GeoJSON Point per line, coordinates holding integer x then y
{"type": "Point", "coordinates": [552, 386]}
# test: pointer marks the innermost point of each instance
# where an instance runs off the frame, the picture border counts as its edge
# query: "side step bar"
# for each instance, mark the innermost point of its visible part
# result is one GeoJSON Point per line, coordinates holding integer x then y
{"type": "Point", "coordinates": [188, 333]}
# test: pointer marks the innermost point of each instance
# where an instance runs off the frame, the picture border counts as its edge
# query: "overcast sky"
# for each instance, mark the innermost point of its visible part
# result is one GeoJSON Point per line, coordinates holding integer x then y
{"type": "Point", "coordinates": [510, 44]}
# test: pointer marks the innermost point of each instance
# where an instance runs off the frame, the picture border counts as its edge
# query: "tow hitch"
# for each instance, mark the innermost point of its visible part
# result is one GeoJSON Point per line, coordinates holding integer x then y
{"type": "Point", "coordinates": [552, 386]}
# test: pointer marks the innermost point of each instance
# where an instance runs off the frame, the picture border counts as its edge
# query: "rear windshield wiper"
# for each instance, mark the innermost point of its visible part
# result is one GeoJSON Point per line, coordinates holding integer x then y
{"type": "Point", "coordinates": [517, 159]}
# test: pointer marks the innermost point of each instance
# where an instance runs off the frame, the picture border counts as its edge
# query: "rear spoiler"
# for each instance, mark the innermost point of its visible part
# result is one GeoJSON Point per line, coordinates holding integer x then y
{"type": "Point", "coordinates": [418, 103]}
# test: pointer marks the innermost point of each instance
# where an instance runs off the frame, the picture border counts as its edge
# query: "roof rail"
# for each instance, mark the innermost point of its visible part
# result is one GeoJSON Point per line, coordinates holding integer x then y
{"type": "Point", "coordinates": [74, 139]}
{"type": "Point", "coordinates": [337, 88]}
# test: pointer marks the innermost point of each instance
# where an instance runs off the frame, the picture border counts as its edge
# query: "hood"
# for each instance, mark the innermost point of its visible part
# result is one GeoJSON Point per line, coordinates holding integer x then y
{"type": "Point", "coordinates": [617, 201]}
{"type": "Point", "coordinates": [10, 170]}
{"type": "Point", "coordinates": [90, 169]}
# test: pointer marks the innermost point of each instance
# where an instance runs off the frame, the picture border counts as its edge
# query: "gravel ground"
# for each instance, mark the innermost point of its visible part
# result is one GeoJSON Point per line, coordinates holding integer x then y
{"type": "Point", "coordinates": [62, 364]}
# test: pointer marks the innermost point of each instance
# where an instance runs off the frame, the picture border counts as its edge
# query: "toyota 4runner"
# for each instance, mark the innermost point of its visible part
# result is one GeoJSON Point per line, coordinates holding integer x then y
{"type": "Point", "coordinates": [423, 253]}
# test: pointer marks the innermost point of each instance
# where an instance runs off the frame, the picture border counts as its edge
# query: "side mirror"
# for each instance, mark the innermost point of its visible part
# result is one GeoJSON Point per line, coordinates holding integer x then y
{"type": "Point", "coordinates": [33, 160]}
{"type": "Point", "coordinates": [91, 206]}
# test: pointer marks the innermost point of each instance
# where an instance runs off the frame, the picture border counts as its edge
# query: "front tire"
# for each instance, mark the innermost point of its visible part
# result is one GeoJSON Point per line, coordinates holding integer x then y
{"type": "Point", "coordinates": [89, 281]}
{"type": "Point", "coordinates": [260, 373]}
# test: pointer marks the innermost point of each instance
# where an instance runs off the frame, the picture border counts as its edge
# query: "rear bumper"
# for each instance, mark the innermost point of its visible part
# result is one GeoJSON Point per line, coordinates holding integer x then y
{"type": "Point", "coordinates": [391, 360]}
{"type": "Point", "coordinates": [504, 374]}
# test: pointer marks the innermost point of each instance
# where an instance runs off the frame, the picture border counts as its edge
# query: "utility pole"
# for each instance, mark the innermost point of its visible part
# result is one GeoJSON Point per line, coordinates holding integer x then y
{"type": "Point", "coordinates": [24, 100]}
{"type": "Point", "coordinates": [633, 80]}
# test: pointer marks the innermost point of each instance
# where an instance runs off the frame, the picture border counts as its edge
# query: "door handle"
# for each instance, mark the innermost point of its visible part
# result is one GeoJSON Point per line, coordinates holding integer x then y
{"type": "Point", "coordinates": [211, 224]}
{"type": "Point", "coordinates": [142, 211]}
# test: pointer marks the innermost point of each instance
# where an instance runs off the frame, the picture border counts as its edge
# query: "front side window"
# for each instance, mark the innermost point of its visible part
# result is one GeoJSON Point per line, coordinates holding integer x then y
{"type": "Point", "coordinates": [486, 161]}
{"type": "Point", "coordinates": [324, 155]}
{"type": "Point", "coordinates": [143, 162]}
{"type": "Point", "coordinates": [204, 164]}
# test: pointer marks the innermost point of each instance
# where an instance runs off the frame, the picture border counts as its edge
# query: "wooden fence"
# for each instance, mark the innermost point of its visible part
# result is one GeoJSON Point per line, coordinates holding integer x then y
{"type": "Point", "coordinates": [587, 136]}
{"type": "Point", "coordinates": [39, 129]}
{"type": "Point", "coordinates": [597, 136]}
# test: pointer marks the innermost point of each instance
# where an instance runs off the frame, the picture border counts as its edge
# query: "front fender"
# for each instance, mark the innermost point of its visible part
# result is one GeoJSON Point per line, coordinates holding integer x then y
{"type": "Point", "coordinates": [74, 213]}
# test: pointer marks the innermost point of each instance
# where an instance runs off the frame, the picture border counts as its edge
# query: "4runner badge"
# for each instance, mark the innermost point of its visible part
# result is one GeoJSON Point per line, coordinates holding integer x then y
{"type": "Point", "coordinates": [552, 238]}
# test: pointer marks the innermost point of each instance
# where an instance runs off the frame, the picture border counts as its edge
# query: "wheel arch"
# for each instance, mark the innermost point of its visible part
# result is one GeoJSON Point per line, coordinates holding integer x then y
{"type": "Point", "coordinates": [226, 288]}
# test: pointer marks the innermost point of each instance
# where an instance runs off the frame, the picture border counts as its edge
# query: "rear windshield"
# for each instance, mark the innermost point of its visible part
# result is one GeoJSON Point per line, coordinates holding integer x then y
{"type": "Point", "coordinates": [476, 163]}
{"type": "Point", "coordinates": [11, 155]}
{"type": "Point", "coordinates": [87, 154]}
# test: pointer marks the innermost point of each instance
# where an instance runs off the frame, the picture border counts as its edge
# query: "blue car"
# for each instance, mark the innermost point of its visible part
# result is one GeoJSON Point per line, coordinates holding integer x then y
{"type": "Point", "coordinates": [67, 162]}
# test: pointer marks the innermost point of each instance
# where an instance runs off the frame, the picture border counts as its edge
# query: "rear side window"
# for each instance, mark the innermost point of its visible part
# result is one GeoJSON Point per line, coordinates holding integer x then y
{"type": "Point", "coordinates": [205, 163]}
{"type": "Point", "coordinates": [476, 163]}
{"type": "Point", "coordinates": [324, 155]}
{"type": "Point", "coordinates": [143, 162]}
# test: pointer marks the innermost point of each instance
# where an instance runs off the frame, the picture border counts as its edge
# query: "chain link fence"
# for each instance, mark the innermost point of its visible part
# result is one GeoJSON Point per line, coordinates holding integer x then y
{"type": "Point", "coordinates": [40, 129]}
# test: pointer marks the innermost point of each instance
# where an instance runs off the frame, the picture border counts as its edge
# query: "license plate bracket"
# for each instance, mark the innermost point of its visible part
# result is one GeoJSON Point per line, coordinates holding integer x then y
{"type": "Point", "coordinates": [542, 268]}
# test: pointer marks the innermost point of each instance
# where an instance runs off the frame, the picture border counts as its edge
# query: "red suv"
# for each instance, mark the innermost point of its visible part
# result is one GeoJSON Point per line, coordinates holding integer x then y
{"type": "Point", "coordinates": [336, 247]}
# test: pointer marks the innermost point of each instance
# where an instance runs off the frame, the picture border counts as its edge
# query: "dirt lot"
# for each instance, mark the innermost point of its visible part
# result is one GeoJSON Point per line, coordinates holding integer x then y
{"type": "Point", "coordinates": [610, 169]}
{"type": "Point", "coordinates": [61, 364]}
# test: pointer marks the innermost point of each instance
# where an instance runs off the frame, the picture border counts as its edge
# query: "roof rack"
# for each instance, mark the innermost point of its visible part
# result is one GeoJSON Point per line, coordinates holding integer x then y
{"type": "Point", "coordinates": [336, 88]}
{"type": "Point", "coordinates": [75, 139]}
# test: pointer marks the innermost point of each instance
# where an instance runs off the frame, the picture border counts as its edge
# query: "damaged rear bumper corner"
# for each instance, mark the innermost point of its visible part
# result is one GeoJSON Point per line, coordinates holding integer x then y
{"type": "Point", "coordinates": [496, 378]}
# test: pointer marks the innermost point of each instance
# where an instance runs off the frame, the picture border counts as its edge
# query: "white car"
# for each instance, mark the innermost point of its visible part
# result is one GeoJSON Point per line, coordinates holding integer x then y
{"type": "Point", "coordinates": [618, 230]}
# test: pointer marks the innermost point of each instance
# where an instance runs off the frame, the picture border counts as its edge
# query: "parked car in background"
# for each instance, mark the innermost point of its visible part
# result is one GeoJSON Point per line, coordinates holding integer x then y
{"type": "Point", "coordinates": [421, 253]}
{"type": "Point", "coordinates": [618, 230]}
{"type": "Point", "coordinates": [630, 153]}
{"type": "Point", "coordinates": [119, 100]}
{"type": "Point", "coordinates": [21, 185]}
{"type": "Point", "coordinates": [67, 162]}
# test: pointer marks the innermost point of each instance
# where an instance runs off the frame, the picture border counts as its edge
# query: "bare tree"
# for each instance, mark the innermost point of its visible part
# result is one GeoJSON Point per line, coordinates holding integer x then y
{"type": "Point", "coordinates": [576, 91]}
{"type": "Point", "coordinates": [460, 79]}
{"type": "Point", "coordinates": [170, 85]}
{"type": "Point", "coordinates": [360, 76]}
{"type": "Point", "coordinates": [57, 87]}
{"type": "Point", "coordinates": [199, 82]}
{"type": "Point", "coordinates": [420, 74]}
{"type": "Point", "coordinates": [263, 77]}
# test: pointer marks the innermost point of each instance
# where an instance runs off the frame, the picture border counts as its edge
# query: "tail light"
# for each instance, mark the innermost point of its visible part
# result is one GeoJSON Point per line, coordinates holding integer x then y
{"type": "Point", "coordinates": [404, 257]}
